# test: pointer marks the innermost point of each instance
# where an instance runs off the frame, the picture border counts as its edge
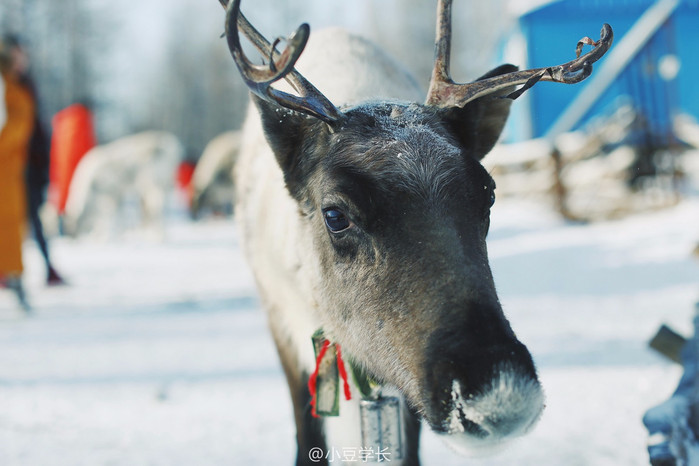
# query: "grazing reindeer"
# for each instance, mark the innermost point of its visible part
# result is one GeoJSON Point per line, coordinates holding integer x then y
{"type": "Point", "coordinates": [212, 181]}
{"type": "Point", "coordinates": [139, 166]}
{"type": "Point", "coordinates": [369, 221]}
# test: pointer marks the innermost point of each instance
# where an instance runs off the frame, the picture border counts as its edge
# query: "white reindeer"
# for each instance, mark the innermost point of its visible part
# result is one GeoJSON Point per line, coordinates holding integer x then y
{"type": "Point", "coordinates": [136, 171]}
{"type": "Point", "coordinates": [212, 180]}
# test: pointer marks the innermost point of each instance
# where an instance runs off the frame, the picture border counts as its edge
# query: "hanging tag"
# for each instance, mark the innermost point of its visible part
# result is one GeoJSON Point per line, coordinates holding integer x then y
{"type": "Point", "coordinates": [381, 426]}
{"type": "Point", "coordinates": [327, 383]}
{"type": "Point", "coordinates": [367, 386]}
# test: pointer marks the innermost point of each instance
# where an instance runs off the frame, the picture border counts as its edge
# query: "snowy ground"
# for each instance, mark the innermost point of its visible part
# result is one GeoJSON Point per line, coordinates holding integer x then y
{"type": "Point", "coordinates": [157, 353]}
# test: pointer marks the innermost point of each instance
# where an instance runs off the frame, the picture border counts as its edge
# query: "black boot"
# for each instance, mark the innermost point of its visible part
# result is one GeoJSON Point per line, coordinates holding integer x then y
{"type": "Point", "coordinates": [53, 279]}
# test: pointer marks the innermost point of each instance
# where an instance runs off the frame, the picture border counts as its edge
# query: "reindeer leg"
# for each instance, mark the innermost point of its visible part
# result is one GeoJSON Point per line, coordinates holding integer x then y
{"type": "Point", "coordinates": [412, 437]}
{"type": "Point", "coordinates": [309, 430]}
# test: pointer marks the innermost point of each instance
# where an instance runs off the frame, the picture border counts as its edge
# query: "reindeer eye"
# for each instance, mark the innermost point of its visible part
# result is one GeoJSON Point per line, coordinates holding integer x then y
{"type": "Point", "coordinates": [336, 220]}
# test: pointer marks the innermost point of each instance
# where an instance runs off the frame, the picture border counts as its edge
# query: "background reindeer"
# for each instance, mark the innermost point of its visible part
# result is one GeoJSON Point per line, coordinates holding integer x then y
{"type": "Point", "coordinates": [212, 181]}
{"type": "Point", "coordinates": [369, 221]}
{"type": "Point", "coordinates": [138, 168]}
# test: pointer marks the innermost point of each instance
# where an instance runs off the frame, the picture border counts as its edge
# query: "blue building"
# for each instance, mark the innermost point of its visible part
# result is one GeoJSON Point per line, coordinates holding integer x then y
{"type": "Point", "coordinates": [652, 64]}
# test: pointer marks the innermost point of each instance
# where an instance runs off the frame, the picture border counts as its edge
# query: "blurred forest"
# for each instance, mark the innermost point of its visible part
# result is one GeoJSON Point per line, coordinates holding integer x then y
{"type": "Point", "coordinates": [159, 64]}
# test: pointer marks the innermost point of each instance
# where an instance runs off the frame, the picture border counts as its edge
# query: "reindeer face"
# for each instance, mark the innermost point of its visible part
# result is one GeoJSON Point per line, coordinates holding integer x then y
{"type": "Point", "coordinates": [398, 207]}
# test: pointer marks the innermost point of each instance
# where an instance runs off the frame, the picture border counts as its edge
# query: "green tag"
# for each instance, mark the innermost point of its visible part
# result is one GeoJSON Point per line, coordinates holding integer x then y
{"type": "Point", "coordinates": [328, 381]}
{"type": "Point", "coordinates": [368, 387]}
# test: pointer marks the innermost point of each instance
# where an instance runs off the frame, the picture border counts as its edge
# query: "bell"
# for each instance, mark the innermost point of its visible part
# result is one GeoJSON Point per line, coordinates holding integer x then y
{"type": "Point", "coordinates": [381, 427]}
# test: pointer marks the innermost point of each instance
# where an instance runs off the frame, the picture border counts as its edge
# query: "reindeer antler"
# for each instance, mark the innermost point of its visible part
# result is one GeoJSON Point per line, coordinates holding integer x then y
{"type": "Point", "coordinates": [259, 78]}
{"type": "Point", "coordinates": [444, 92]}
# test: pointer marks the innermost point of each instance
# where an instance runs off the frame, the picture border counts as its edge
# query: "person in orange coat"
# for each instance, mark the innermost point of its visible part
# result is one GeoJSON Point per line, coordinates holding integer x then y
{"type": "Point", "coordinates": [37, 174]}
{"type": "Point", "coordinates": [14, 140]}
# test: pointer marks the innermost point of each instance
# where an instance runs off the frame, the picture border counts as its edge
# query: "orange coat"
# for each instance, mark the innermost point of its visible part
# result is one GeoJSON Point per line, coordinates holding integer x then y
{"type": "Point", "coordinates": [14, 140]}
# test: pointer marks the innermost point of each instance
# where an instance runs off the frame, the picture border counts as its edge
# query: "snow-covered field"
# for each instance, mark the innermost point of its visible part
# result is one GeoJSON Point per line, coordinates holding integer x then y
{"type": "Point", "coordinates": [157, 353]}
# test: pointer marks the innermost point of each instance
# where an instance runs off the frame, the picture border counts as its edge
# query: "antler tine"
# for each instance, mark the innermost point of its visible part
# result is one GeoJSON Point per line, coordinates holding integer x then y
{"type": "Point", "coordinates": [441, 77]}
{"type": "Point", "coordinates": [444, 92]}
{"type": "Point", "coordinates": [259, 78]}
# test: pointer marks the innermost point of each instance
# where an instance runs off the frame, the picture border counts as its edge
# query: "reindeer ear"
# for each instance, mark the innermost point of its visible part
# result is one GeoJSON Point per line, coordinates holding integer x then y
{"type": "Point", "coordinates": [289, 134]}
{"type": "Point", "coordinates": [477, 126]}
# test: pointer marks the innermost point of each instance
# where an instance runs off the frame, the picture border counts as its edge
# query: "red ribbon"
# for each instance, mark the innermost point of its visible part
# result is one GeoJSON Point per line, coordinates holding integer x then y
{"type": "Point", "coordinates": [313, 379]}
{"type": "Point", "coordinates": [343, 372]}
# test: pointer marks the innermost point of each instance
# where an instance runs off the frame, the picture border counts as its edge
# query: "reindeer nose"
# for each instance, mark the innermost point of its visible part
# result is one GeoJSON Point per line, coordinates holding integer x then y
{"type": "Point", "coordinates": [476, 367]}
{"type": "Point", "coordinates": [483, 387]}
{"type": "Point", "coordinates": [509, 407]}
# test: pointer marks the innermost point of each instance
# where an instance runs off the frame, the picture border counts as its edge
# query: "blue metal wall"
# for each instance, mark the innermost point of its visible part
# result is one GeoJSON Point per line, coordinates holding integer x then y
{"type": "Point", "coordinates": [687, 24]}
{"type": "Point", "coordinates": [552, 32]}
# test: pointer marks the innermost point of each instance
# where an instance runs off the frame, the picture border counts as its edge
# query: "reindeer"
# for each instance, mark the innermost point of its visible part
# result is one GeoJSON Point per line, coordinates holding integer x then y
{"type": "Point", "coordinates": [369, 221]}
{"type": "Point", "coordinates": [138, 167]}
{"type": "Point", "coordinates": [212, 181]}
